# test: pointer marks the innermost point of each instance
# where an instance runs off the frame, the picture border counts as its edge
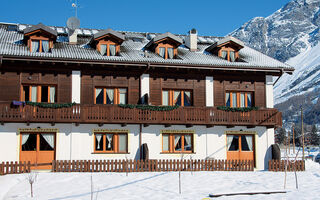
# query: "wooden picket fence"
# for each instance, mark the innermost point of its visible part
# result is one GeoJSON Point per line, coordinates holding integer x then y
{"type": "Point", "coordinates": [280, 165]}
{"type": "Point", "coordinates": [130, 166]}
{"type": "Point", "coordinates": [151, 165]}
{"type": "Point", "coordinates": [14, 167]}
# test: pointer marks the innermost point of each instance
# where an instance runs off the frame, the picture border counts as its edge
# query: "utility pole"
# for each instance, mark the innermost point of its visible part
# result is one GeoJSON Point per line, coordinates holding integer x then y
{"type": "Point", "coordinates": [289, 141]}
{"type": "Point", "coordinates": [294, 146]}
{"type": "Point", "coordinates": [302, 133]}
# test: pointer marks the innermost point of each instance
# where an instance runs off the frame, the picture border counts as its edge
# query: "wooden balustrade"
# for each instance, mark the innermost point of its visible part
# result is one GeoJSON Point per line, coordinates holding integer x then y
{"type": "Point", "coordinates": [114, 114]}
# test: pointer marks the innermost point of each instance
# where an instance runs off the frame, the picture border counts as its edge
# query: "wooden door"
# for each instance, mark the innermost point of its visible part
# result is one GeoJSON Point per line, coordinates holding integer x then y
{"type": "Point", "coordinates": [37, 148]}
{"type": "Point", "coordinates": [240, 147]}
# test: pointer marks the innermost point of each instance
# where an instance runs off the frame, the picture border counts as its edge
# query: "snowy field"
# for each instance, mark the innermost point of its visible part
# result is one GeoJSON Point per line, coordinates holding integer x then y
{"type": "Point", "coordinates": [162, 185]}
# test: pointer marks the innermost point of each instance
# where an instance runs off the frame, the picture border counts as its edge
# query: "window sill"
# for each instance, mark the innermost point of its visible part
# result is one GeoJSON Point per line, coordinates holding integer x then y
{"type": "Point", "coordinates": [110, 153]}
{"type": "Point", "coordinates": [177, 152]}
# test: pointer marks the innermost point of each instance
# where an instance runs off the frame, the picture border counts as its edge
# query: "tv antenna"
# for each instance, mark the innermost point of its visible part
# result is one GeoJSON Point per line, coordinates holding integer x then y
{"type": "Point", "coordinates": [75, 6]}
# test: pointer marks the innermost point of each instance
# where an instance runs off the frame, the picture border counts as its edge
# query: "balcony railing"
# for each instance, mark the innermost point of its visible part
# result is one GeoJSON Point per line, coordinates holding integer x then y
{"type": "Point", "coordinates": [106, 114]}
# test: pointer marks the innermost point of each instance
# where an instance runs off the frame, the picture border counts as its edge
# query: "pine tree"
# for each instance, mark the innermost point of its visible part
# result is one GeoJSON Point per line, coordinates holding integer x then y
{"type": "Point", "coordinates": [281, 135]}
{"type": "Point", "coordinates": [315, 138]}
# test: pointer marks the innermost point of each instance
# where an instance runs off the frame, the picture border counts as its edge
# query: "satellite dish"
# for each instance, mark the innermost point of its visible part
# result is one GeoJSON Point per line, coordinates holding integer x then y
{"type": "Point", "coordinates": [73, 23]}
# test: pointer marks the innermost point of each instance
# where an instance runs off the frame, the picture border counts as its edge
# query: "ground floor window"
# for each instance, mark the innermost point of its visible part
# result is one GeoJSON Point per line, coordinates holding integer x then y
{"type": "Point", "coordinates": [177, 143]}
{"type": "Point", "coordinates": [111, 142]}
{"type": "Point", "coordinates": [240, 147]}
{"type": "Point", "coordinates": [240, 142]}
{"type": "Point", "coordinates": [37, 141]}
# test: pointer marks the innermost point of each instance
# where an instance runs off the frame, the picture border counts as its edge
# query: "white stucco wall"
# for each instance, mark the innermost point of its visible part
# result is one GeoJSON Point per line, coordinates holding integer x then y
{"type": "Point", "coordinates": [269, 92]}
{"type": "Point", "coordinates": [209, 91]}
{"type": "Point", "coordinates": [77, 142]}
{"type": "Point", "coordinates": [76, 86]}
{"type": "Point", "coordinates": [144, 89]}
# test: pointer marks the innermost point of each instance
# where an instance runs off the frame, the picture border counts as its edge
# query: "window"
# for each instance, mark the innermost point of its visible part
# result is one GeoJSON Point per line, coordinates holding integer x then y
{"type": "Point", "coordinates": [108, 49]}
{"type": "Point", "coordinates": [177, 143]}
{"type": "Point", "coordinates": [240, 142]}
{"type": "Point", "coordinates": [166, 51]}
{"type": "Point", "coordinates": [37, 93]}
{"type": "Point", "coordinates": [239, 99]}
{"type": "Point", "coordinates": [228, 54]}
{"type": "Point", "coordinates": [37, 141]}
{"type": "Point", "coordinates": [176, 97]}
{"type": "Point", "coordinates": [110, 96]}
{"type": "Point", "coordinates": [40, 46]}
{"type": "Point", "coordinates": [111, 142]}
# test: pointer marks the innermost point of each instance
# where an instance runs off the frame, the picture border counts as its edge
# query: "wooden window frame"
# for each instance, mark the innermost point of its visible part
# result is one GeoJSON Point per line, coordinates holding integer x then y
{"type": "Point", "coordinates": [39, 91]}
{"type": "Point", "coordinates": [238, 98]}
{"type": "Point", "coordinates": [171, 143]}
{"type": "Point", "coordinates": [115, 140]}
{"type": "Point", "coordinates": [108, 43]}
{"type": "Point", "coordinates": [240, 142]}
{"type": "Point", "coordinates": [38, 141]}
{"type": "Point", "coordinates": [166, 46]}
{"type": "Point", "coordinates": [40, 39]}
{"type": "Point", "coordinates": [228, 49]}
{"type": "Point", "coordinates": [116, 95]}
{"type": "Point", "coordinates": [171, 96]}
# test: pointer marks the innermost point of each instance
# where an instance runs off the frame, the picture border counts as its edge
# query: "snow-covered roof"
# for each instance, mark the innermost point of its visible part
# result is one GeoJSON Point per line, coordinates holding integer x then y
{"type": "Point", "coordinates": [106, 32]}
{"type": "Point", "coordinates": [131, 50]}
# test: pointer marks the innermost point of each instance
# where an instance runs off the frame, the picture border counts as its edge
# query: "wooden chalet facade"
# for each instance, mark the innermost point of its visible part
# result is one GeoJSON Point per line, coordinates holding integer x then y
{"type": "Point", "coordinates": [107, 93]}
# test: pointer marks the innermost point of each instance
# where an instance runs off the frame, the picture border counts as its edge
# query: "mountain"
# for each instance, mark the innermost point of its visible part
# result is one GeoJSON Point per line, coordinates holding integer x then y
{"type": "Point", "coordinates": [291, 35]}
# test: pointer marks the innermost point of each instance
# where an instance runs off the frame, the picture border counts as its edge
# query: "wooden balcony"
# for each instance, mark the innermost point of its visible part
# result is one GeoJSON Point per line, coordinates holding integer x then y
{"type": "Point", "coordinates": [106, 114]}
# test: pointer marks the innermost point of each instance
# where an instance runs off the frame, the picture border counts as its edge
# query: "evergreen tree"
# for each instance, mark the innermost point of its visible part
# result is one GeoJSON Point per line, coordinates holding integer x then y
{"type": "Point", "coordinates": [281, 135]}
{"type": "Point", "coordinates": [315, 138]}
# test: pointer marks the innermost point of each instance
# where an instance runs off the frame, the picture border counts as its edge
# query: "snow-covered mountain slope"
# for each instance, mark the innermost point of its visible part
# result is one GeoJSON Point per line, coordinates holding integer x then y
{"type": "Point", "coordinates": [291, 35]}
{"type": "Point", "coordinates": [306, 77]}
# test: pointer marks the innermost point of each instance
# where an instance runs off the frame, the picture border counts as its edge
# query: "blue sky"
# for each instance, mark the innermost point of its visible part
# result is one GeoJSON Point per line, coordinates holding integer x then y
{"type": "Point", "coordinates": [209, 17]}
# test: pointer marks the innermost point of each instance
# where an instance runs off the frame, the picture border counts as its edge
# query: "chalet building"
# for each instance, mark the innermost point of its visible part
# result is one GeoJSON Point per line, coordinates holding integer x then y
{"type": "Point", "coordinates": [102, 94]}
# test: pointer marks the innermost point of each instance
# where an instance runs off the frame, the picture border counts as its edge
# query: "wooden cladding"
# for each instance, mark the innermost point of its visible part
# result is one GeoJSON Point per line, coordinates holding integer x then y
{"type": "Point", "coordinates": [89, 84]}
{"type": "Point", "coordinates": [12, 86]}
{"type": "Point", "coordinates": [243, 84]}
{"type": "Point", "coordinates": [194, 86]}
{"type": "Point", "coordinates": [114, 114]}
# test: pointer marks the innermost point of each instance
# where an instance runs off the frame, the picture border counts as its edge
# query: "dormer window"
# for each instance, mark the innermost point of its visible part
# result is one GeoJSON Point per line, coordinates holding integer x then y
{"type": "Point", "coordinates": [165, 45]}
{"type": "Point", "coordinates": [228, 54]}
{"type": "Point", "coordinates": [227, 48]}
{"type": "Point", "coordinates": [108, 49]}
{"type": "Point", "coordinates": [107, 42]}
{"type": "Point", "coordinates": [40, 38]}
{"type": "Point", "coordinates": [166, 52]}
{"type": "Point", "coordinates": [39, 46]}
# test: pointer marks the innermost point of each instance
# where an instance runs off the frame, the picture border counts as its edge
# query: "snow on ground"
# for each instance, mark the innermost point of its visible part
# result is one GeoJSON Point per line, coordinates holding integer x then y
{"type": "Point", "coordinates": [162, 185]}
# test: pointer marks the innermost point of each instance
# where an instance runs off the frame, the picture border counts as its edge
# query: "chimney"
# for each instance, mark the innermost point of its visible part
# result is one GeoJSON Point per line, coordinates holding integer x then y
{"type": "Point", "coordinates": [191, 40]}
{"type": "Point", "coordinates": [73, 36]}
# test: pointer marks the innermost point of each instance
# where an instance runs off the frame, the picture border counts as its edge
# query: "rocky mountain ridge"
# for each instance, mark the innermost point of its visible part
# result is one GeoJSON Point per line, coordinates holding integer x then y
{"type": "Point", "coordinates": [291, 35]}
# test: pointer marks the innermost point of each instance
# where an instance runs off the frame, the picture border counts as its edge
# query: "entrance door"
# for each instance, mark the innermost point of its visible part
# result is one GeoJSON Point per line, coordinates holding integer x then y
{"type": "Point", "coordinates": [240, 147]}
{"type": "Point", "coordinates": [37, 148]}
